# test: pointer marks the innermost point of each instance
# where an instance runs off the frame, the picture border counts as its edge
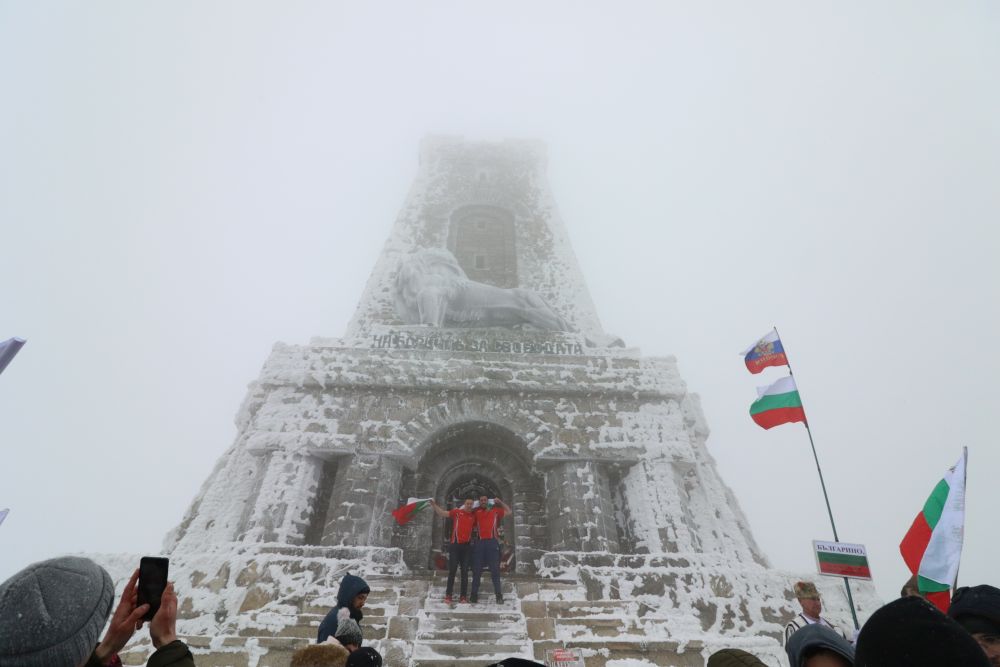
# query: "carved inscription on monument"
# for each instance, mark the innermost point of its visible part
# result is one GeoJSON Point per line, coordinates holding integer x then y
{"type": "Point", "coordinates": [408, 341]}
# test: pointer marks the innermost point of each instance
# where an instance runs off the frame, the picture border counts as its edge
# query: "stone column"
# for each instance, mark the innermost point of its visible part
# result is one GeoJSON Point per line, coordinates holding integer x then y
{"type": "Point", "coordinates": [365, 492]}
{"type": "Point", "coordinates": [579, 507]}
{"type": "Point", "coordinates": [285, 498]}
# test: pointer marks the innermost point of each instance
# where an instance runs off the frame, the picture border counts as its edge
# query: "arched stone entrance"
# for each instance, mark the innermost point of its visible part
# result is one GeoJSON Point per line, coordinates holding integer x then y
{"type": "Point", "coordinates": [479, 457]}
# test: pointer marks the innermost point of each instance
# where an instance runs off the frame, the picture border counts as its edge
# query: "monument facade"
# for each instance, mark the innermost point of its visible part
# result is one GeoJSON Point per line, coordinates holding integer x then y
{"type": "Point", "coordinates": [476, 364]}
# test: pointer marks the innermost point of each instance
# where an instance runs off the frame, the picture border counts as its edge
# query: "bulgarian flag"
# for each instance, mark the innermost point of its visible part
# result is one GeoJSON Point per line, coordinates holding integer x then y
{"type": "Point", "coordinates": [777, 404]}
{"type": "Point", "coordinates": [767, 351]}
{"type": "Point", "coordinates": [932, 548]}
{"type": "Point", "coordinates": [407, 511]}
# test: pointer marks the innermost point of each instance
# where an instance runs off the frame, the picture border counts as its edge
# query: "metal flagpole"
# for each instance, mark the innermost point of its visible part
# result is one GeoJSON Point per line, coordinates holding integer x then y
{"type": "Point", "coordinates": [847, 582]}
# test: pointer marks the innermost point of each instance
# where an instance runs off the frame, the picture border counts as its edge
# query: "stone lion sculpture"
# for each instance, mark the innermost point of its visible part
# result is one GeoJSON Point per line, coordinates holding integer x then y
{"type": "Point", "coordinates": [431, 288]}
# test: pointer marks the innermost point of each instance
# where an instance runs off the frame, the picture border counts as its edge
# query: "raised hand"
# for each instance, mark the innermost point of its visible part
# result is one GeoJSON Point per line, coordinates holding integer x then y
{"type": "Point", "coordinates": [163, 627]}
{"type": "Point", "coordinates": [124, 622]}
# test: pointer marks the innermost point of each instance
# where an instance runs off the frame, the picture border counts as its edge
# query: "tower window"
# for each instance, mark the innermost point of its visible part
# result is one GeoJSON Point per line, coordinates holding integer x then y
{"type": "Point", "coordinates": [482, 240]}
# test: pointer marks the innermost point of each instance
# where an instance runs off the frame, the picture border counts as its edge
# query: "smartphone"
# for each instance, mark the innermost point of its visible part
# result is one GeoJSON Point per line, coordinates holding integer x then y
{"type": "Point", "coordinates": [152, 583]}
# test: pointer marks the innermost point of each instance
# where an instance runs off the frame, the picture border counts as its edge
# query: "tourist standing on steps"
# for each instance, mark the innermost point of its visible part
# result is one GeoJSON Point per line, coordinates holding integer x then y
{"type": "Point", "coordinates": [352, 595]}
{"type": "Point", "coordinates": [459, 547]}
{"type": "Point", "coordinates": [487, 550]}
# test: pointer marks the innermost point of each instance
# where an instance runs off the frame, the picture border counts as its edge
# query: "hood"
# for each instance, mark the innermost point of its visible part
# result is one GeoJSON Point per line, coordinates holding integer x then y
{"type": "Point", "coordinates": [351, 586]}
{"type": "Point", "coordinates": [816, 636]}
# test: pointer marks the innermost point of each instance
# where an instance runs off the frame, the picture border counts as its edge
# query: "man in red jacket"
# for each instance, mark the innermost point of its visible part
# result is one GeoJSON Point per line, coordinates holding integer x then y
{"type": "Point", "coordinates": [462, 520]}
{"type": "Point", "coordinates": [488, 548]}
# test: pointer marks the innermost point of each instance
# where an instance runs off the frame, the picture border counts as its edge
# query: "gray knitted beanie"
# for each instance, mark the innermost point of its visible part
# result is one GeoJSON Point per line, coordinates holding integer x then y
{"type": "Point", "coordinates": [348, 630]}
{"type": "Point", "coordinates": [52, 613]}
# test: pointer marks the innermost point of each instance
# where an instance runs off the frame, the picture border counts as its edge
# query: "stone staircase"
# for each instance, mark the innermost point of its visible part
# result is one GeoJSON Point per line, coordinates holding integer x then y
{"type": "Point", "coordinates": [408, 622]}
{"type": "Point", "coordinates": [470, 635]}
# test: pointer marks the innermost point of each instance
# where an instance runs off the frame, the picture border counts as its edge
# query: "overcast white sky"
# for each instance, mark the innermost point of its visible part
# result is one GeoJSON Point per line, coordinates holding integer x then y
{"type": "Point", "coordinates": [184, 183]}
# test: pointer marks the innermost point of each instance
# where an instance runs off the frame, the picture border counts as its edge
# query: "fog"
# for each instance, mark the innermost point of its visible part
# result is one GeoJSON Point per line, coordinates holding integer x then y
{"type": "Point", "coordinates": [183, 184]}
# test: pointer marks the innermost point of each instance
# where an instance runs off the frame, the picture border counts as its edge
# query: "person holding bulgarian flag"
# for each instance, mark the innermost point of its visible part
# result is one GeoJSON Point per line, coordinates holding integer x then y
{"type": "Point", "coordinates": [463, 520]}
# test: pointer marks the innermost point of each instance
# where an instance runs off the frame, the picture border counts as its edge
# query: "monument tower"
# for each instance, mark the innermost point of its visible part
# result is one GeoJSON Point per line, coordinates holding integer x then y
{"type": "Point", "coordinates": [476, 363]}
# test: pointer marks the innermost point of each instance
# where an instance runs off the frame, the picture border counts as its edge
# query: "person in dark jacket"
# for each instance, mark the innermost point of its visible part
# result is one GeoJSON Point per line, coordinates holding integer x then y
{"type": "Point", "coordinates": [977, 609]}
{"type": "Point", "coordinates": [51, 614]}
{"type": "Point", "coordinates": [818, 646]}
{"type": "Point", "coordinates": [351, 595]}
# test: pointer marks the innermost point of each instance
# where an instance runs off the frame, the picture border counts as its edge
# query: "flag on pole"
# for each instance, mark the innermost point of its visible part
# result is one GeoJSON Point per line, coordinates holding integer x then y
{"type": "Point", "coordinates": [8, 349]}
{"type": "Point", "coordinates": [407, 511]}
{"type": "Point", "coordinates": [777, 404]}
{"type": "Point", "coordinates": [932, 548]}
{"type": "Point", "coordinates": [768, 351]}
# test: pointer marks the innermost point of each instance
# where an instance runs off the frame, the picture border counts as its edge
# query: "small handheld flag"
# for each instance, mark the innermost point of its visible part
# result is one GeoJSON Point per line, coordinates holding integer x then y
{"type": "Point", "coordinates": [8, 349]}
{"type": "Point", "coordinates": [404, 514]}
{"type": "Point", "coordinates": [932, 547]}
{"type": "Point", "coordinates": [777, 404]}
{"type": "Point", "coordinates": [767, 351]}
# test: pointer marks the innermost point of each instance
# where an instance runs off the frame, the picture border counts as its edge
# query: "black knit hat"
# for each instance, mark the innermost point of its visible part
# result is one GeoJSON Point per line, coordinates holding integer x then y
{"type": "Point", "coordinates": [911, 632]}
{"type": "Point", "coordinates": [977, 608]}
{"type": "Point", "coordinates": [365, 657]}
{"type": "Point", "coordinates": [734, 657]}
{"type": "Point", "coordinates": [52, 613]}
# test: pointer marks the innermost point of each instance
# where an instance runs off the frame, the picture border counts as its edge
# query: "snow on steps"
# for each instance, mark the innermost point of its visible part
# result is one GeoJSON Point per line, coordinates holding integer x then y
{"type": "Point", "coordinates": [476, 634]}
{"type": "Point", "coordinates": [241, 611]}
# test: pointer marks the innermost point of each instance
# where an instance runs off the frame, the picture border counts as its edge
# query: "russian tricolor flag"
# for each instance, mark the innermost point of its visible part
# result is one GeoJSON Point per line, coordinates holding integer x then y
{"type": "Point", "coordinates": [765, 352]}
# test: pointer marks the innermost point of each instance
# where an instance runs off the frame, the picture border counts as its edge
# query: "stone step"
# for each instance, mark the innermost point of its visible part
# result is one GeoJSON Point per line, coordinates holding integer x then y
{"type": "Point", "coordinates": [452, 662]}
{"type": "Point", "coordinates": [438, 650]}
{"type": "Point", "coordinates": [477, 624]}
{"type": "Point", "coordinates": [495, 615]}
{"type": "Point", "coordinates": [506, 587]}
{"type": "Point", "coordinates": [463, 635]}
{"type": "Point", "coordinates": [577, 608]}
{"type": "Point", "coordinates": [591, 627]}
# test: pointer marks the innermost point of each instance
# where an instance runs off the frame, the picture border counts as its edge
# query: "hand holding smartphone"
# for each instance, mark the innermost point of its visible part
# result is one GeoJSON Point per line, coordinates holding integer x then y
{"type": "Point", "coordinates": [152, 583]}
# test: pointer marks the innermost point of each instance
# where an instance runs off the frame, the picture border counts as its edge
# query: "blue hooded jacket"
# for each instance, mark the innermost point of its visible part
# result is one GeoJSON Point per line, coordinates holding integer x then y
{"type": "Point", "coordinates": [350, 587]}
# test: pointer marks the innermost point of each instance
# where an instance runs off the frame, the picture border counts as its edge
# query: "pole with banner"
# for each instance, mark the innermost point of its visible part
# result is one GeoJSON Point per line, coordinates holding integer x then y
{"type": "Point", "coordinates": [781, 403]}
{"type": "Point", "coordinates": [826, 498]}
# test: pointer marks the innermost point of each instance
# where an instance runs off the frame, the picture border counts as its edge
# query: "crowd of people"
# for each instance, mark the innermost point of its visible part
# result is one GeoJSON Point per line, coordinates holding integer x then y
{"type": "Point", "coordinates": [52, 614]}
{"type": "Point", "coordinates": [907, 632]}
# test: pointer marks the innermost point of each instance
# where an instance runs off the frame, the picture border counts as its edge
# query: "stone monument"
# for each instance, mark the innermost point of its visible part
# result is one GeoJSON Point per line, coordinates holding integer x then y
{"type": "Point", "coordinates": [476, 364]}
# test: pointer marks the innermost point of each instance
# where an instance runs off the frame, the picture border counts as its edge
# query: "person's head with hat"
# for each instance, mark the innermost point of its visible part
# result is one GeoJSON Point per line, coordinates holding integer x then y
{"type": "Point", "coordinates": [977, 609]}
{"type": "Point", "coordinates": [365, 657]}
{"type": "Point", "coordinates": [808, 597]}
{"type": "Point", "coordinates": [818, 646]}
{"type": "Point", "coordinates": [911, 632]}
{"type": "Point", "coordinates": [52, 613]}
{"type": "Point", "coordinates": [348, 631]}
{"type": "Point", "coordinates": [734, 657]}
